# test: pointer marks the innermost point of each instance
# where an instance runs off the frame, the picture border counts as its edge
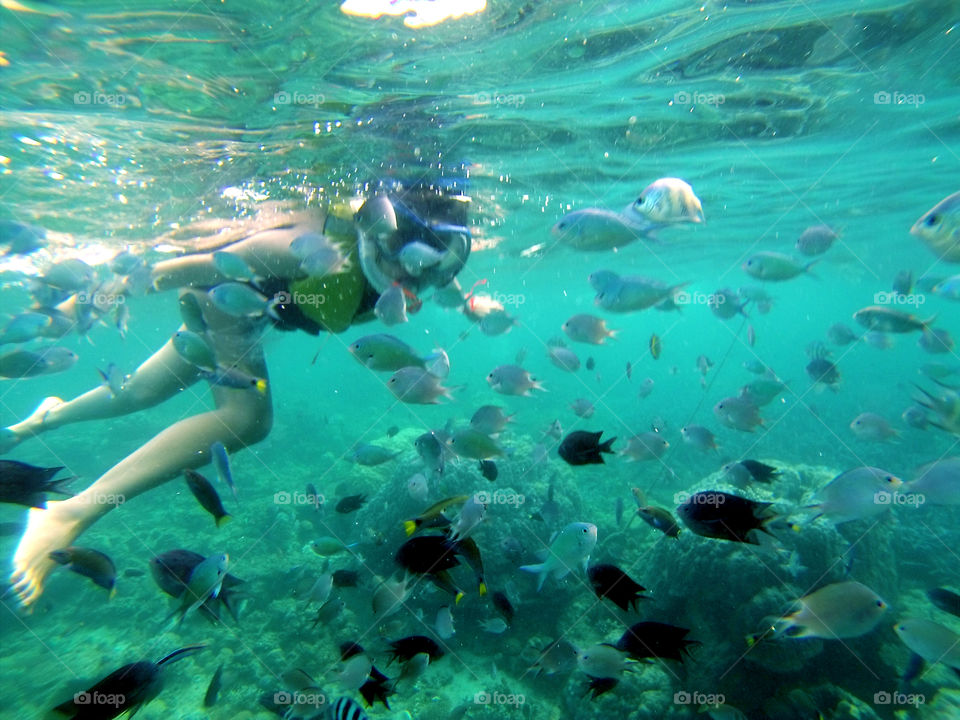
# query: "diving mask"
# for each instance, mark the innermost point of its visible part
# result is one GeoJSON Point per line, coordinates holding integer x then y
{"type": "Point", "coordinates": [396, 245]}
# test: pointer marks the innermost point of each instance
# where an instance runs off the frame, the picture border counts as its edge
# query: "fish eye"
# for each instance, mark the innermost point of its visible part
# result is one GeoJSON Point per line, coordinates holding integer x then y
{"type": "Point", "coordinates": [933, 220]}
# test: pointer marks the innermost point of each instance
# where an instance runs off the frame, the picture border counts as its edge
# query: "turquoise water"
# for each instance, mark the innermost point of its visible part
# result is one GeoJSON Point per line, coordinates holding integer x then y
{"type": "Point", "coordinates": [134, 124]}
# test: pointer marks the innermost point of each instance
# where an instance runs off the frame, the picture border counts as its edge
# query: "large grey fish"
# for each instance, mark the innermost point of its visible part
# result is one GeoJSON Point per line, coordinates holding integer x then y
{"type": "Point", "coordinates": [887, 319]}
{"type": "Point", "coordinates": [592, 229]}
{"type": "Point", "coordinates": [841, 610]}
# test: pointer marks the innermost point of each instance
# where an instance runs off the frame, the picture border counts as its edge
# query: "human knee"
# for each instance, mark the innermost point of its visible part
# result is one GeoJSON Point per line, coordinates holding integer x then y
{"type": "Point", "coordinates": [249, 427]}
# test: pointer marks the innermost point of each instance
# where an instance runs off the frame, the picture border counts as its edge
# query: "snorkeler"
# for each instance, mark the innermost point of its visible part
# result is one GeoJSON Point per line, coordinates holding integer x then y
{"type": "Point", "coordinates": [387, 244]}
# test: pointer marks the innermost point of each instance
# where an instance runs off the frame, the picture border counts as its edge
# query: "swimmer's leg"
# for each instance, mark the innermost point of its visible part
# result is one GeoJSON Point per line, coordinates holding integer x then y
{"type": "Point", "coordinates": [242, 418]}
{"type": "Point", "coordinates": [162, 376]}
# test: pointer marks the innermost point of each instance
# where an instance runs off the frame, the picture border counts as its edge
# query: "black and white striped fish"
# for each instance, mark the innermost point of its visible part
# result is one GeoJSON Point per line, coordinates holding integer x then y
{"type": "Point", "coordinates": [345, 708]}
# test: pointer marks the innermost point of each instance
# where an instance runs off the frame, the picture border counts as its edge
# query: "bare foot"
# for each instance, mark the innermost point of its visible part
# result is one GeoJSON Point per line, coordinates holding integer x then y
{"type": "Point", "coordinates": [47, 530]}
{"type": "Point", "coordinates": [12, 436]}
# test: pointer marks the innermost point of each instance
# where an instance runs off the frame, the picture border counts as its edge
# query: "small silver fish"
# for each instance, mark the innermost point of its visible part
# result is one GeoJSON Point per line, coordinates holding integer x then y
{"type": "Point", "coordinates": [391, 306]}
{"type": "Point", "coordinates": [416, 386]}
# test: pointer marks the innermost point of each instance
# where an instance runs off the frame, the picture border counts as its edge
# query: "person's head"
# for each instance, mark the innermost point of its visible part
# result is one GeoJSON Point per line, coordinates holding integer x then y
{"type": "Point", "coordinates": [417, 236]}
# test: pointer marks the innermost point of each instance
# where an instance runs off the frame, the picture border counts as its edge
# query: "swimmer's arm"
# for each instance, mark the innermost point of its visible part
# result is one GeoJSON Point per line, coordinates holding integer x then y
{"type": "Point", "coordinates": [267, 253]}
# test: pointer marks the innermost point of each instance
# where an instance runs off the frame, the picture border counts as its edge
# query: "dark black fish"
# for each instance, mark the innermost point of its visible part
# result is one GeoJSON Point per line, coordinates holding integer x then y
{"type": "Point", "coordinates": [405, 648]}
{"type": "Point", "coordinates": [89, 563]}
{"type": "Point", "coordinates": [599, 686]}
{"type": "Point", "coordinates": [375, 689]}
{"type": "Point", "coordinates": [488, 468]}
{"type": "Point", "coordinates": [346, 578]}
{"type": "Point", "coordinates": [23, 484]}
{"type": "Point", "coordinates": [503, 606]}
{"type": "Point", "coordinates": [611, 582]}
{"type": "Point", "coordinates": [171, 571]}
{"type": "Point", "coordinates": [583, 448]}
{"type": "Point", "coordinates": [351, 503]}
{"type": "Point", "coordinates": [433, 556]}
{"type": "Point", "coordinates": [123, 690]}
{"type": "Point", "coordinates": [714, 514]}
{"type": "Point", "coordinates": [759, 471]}
{"type": "Point", "coordinates": [655, 640]}
{"type": "Point", "coordinates": [591, 363]}
{"type": "Point", "coordinates": [210, 698]}
{"type": "Point", "coordinates": [946, 600]}
{"type": "Point", "coordinates": [392, 430]}
{"type": "Point", "coordinates": [426, 554]}
{"type": "Point", "coordinates": [206, 495]}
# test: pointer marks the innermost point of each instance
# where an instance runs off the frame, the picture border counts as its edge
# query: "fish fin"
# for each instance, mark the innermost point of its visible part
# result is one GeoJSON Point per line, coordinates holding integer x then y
{"type": "Point", "coordinates": [261, 386]}
{"type": "Point", "coordinates": [539, 569]}
{"type": "Point", "coordinates": [913, 669]}
{"type": "Point", "coordinates": [409, 526]}
{"type": "Point", "coordinates": [180, 654]}
{"type": "Point", "coordinates": [607, 446]}
{"type": "Point", "coordinates": [54, 487]}
{"type": "Point", "coordinates": [222, 519]}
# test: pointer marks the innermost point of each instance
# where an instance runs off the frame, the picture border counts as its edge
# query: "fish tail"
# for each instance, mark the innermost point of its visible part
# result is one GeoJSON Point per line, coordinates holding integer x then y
{"type": "Point", "coordinates": [261, 386]}
{"type": "Point", "coordinates": [928, 322]}
{"type": "Point", "coordinates": [806, 269]}
{"type": "Point", "coordinates": [55, 486]}
{"type": "Point", "coordinates": [676, 288]}
{"type": "Point", "coordinates": [180, 654]}
{"type": "Point", "coordinates": [608, 445]}
{"type": "Point", "coordinates": [222, 519]}
{"type": "Point", "coordinates": [540, 569]}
